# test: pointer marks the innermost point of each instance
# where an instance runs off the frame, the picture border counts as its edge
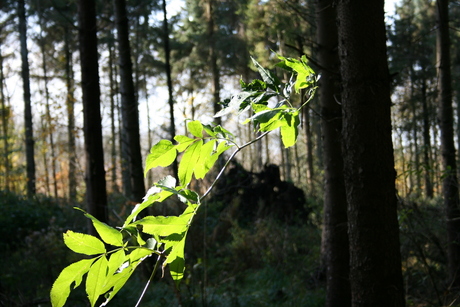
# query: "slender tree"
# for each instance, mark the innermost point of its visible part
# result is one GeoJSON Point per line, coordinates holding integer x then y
{"type": "Point", "coordinates": [167, 49]}
{"type": "Point", "coordinates": [335, 203]}
{"type": "Point", "coordinates": [29, 136]}
{"type": "Point", "coordinates": [375, 261]}
{"type": "Point", "coordinates": [96, 192]}
{"type": "Point", "coordinates": [130, 112]}
{"type": "Point", "coordinates": [450, 182]}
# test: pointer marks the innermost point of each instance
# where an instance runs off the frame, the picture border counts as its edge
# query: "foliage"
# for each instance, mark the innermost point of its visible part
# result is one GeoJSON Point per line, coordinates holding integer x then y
{"type": "Point", "coordinates": [109, 269]}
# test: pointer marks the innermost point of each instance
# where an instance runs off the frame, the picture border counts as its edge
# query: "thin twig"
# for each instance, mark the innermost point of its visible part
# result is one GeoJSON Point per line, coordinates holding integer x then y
{"type": "Point", "coordinates": [148, 282]}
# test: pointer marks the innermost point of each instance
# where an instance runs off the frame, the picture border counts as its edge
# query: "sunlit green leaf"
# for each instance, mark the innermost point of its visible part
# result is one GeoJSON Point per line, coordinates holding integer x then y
{"type": "Point", "coordinates": [115, 261]}
{"type": "Point", "coordinates": [72, 274]}
{"type": "Point", "coordinates": [155, 194]}
{"type": "Point", "coordinates": [176, 261]}
{"type": "Point", "coordinates": [206, 151]}
{"type": "Point", "coordinates": [290, 131]}
{"type": "Point", "coordinates": [108, 234]}
{"type": "Point", "coordinates": [195, 128]}
{"type": "Point", "coordinates": [184, 142]}
{"type": "Point", "coordinates": [83, 244]}
{"type": "Point", "coordinates": [162, 154]}
{"type": "Point", "coordinates": [209, 163]}
{"type": "Point", "coordinates": [96, 279]}
{"type": "Point", "coordinates": [163, 225]}
{"type": "Point", "coordinates": [188, 162]}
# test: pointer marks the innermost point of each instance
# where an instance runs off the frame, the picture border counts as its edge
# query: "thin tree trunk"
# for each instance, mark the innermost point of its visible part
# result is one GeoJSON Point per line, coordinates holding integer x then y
{"type": "Point", "coordinates": [426, 142]}
{"type": "Point", "coordinates": [215, 84]}
{"type": "Point", "coordinates": [29, 137]}
{"type": "Point", "coordinates": [172, 126]}
{"type": "Point", "coordinates": [70, 103]}
{"type": "Point", "coordinates": [113, 133]}
{"type": "Point", "coordinates": [309, 142]}
{"type": "Point", "coordinates": [5, 111]}
{"type": "Point", "coordinates": [375, 260]}
{"type": "Point", "coordinates": [96, 191]}
{"type": "Point", "coordinates": [130, 112]}
{"type": "Point", "coordinates": [450, 181]}
{"type": "Point", "coordinates": [48, 125]}
{"type": "Point", "coordinates": [335, 203]}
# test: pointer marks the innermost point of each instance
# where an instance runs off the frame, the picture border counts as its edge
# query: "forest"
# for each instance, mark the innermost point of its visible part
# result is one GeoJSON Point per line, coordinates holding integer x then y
{"type": "Point", "coordinates": [230, 153]}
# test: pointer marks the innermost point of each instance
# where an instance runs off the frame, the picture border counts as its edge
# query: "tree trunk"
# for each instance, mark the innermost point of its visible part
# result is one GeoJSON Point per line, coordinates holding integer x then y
{"type": "Point", "coordinates": [426, 142]}
{"type": "Point", "coordinates": [70, 102]}
{"type": "Point", "coordinates": [335, 203]}
{"type": "Point", "coordinates": [449, 163]}
{"type": "Point", "coordinates": [130, 112]}
{"type": "Point", "coordinates": [48, 121]}
{"type": "Point", "coordinates": [113, 133]}
{"type": "Point", "coordinates": [215, 73]}
{"type": "Point", "coordinates": [5, 116]}
{"type": "Point", "coordinates": [96, 192]}
{"type": "Point", "coordinates": [172, 126]}
{"type": "Point", "coordinates": [375, 261]}
{"type": "Point", "coordinates": [29, 137]}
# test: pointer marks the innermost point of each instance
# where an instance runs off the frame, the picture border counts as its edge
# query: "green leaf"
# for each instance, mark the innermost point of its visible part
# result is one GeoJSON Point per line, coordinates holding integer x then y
{"type": "Point", "coordinates": [221, 132]}
{"type": "Point", "coordinates": [206, 152]}
{"type": "Point", "coordinates": [209, 130]}
{"type": "Point", "coordinates": [162, 154]}
{"type": "Point", "coordinates": [188, 163]}
{"type": "Point", "coordinates": [116, 282]}
{"type": "Point", "coordinates": [154, 194]}
{"type": "Point", "coordinates": [222, 147]}
{"type": "Point", "coordinates": [96, 279]}
{"type": "Point", "coordinates": [83, 244]}
{"type": "Point", "coordinates": [290, 131]}
{"type": "Point", "coordinates": [270, 79]}
{"type": "Point", "coordinates": [238, 102]}
{"type": "Point", "coordinates": [163, 225]}
{"type": "Point", "coordinates": [304, 72]}
{"type": "Point", "coordinates": [139, 254]}
{"type": "Point", "coordinates": [176, 261]}
{"type": "Point", "coordinates": [108, 234]}
{"type": "Point", "coordinates": [69, 275]}
{"type": "Point", "coordinates": [115, 262]}
{"type": "Point", "coordinates": [184, 142]}
{"type": "Point", "coordinates": [195, 128]}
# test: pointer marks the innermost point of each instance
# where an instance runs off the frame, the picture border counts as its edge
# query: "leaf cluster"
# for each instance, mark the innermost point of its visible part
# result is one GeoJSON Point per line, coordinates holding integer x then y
{"type": "Point", "coordinates": [164, 236]}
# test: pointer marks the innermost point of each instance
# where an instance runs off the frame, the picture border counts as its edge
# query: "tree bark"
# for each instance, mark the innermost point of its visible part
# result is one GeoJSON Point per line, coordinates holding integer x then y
{"type": "Point", "coordinates": [96, 192]}
{"type": "Point", "coordinates": [335, 203]}
{"type": "Point", "coordinates": [130, 112]}
{"type": "Point", "coordinates": [375, 261]}
{"type": "Point", "coordinates": [29, 135]}
{"type": "Point", "coordinates": [449, 163]}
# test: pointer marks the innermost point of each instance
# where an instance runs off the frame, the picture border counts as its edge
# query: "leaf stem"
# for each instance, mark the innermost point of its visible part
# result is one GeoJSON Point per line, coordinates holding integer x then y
{"type": "Point", "coordinates": [148, 281]}
{"type": "Point", "coordinates": [239, 148]}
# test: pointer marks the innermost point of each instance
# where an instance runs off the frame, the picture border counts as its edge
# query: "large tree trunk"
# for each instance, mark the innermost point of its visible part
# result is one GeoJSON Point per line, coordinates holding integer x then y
{"type": "Point", "coordinates": [449, 163]}
{"type": "Point", "coordinates": [130, 112]}
{"type": "Point", "coordinates": [375, 261]}
{"type": "Point", "coordinates": [29, 136]}
{"type": "Point", "coordinates": [96, 192]}
{"type": "Point", "coordinates": [335, 203]}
